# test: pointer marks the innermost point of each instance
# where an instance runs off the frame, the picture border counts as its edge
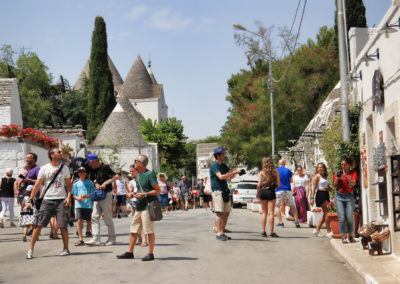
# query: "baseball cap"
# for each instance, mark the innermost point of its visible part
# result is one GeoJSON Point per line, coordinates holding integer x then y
{"type": "Point", "coordinates": [219, 150]}
{"type": "Point", "coordinates": [91, 157]}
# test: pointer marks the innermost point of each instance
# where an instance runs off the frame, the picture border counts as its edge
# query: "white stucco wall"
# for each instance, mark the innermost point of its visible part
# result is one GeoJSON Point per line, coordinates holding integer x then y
{"type": "Point", "coordinates": [148, 108]}
{"type": "Point", "coordinates": [372, 122]}
{"type": "Point", "coordinates": [73, 141]}
{"type": "Point", "coordinates": [5, 117]}
{"type": "Point", "coordinates": [13, 153]}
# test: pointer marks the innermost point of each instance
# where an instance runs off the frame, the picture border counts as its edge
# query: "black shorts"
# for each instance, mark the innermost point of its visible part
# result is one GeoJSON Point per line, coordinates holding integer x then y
{"type": "Point", "coordinates": [84, 214]}
{"type": "Point", "coordinates": [206, 198]}
{"type": "Point", "coordinates": [51, 207]}
{"type": "Point", "coordinates": [121, 200]}
{"type": "Point", "coordinates": [321, 197]}
{"type": "Point", "coordinates": [267, 194]}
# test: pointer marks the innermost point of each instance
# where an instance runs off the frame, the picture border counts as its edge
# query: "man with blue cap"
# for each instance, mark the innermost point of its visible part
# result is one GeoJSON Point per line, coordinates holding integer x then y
{"type": "Point", "coordinates": [102, 176]}
{"type": "Point", "coordinates": [220, 173]}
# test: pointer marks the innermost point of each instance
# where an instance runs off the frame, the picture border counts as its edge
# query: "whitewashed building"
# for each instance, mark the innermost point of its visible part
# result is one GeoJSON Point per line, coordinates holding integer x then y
{"type": "Point", "coordinates": [375, 69]}
{"type": "Point", "coordinates": [10, 107]}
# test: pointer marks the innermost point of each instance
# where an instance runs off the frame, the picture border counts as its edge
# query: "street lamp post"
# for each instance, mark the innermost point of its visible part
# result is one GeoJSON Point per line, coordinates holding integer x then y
{"type": "Point", "coordinates": [271, 88]}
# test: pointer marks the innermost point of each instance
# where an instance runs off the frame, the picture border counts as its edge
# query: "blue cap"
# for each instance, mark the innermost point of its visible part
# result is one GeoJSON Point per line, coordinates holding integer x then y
{"type": "Point", "coordinates": [91, 157]}
{"type": "Point", "coordinates": [219, 150]}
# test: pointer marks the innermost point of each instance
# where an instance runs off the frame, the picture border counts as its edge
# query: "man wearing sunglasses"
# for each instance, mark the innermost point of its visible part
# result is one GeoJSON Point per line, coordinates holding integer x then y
{"type": "Point", "coordinates": [56, 181]}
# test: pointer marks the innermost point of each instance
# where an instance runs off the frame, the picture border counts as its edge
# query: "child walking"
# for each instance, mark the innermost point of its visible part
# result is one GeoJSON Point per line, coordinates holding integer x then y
{"type": "Point", "coordinates": [28, 218]}
{"type": "Point", "coordinates": [83, 204]}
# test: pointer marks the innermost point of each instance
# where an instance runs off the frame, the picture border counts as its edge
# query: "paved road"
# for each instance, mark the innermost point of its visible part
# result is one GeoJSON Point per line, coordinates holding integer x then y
{"type": "Point", "coordinates": [186, 252]}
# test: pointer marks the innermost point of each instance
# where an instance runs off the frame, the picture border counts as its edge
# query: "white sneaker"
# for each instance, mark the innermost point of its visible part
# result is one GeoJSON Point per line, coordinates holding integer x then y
{"type": "Point", "coordinates": [110, 242]}
{"type": "Point", "coordinates": [329, 235]}
{"type": "Point", "coordinates": [315, 232]}
{"type": "Point", "coordinates": [65, 252]}
{"type": "Point", "coordinates": [92, 242]}
{"type": "Point", "coordinates": [29, 254]}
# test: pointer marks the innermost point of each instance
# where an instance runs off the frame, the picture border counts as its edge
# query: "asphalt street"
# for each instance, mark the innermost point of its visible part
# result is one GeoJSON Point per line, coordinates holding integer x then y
{"type": "Point", "coordinates": [186, 252]}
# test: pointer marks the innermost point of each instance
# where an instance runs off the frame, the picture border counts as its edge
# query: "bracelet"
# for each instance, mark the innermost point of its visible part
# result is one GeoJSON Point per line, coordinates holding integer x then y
{"type": "Point", "coordinates": [145, 194]}
{"type": "Point", "coordinates": [311, 197]}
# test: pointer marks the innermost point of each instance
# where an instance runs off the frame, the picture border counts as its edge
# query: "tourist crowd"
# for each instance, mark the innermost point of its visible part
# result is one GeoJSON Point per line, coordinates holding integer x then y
{"type": "Point", "coordinates": [89, 191]}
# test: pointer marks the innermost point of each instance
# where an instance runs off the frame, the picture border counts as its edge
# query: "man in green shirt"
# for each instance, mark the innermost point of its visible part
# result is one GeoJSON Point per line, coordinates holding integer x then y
{"type": "Point", "coordinates": [147, 191]}
{"type": "Point", "coordinates": [220, 173]}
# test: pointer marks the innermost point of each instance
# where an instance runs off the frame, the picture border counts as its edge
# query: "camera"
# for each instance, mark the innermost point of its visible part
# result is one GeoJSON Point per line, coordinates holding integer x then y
{"type": "Point", "coordinates": [21, 176]}
{"type": "Point", "coordinates": [339, 173]}
{"type": "Point", "coordinates": [242, 172]}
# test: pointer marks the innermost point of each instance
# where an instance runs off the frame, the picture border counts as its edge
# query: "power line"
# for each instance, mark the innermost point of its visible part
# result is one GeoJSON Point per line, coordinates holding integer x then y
{"type": "Point", "coordinates": [295, 44]}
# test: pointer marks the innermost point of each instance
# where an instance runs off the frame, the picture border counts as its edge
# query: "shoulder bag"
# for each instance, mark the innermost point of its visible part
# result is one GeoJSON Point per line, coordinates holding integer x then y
{"type": "Point", "coordinates": [207, 188]}
{"type": "Point", "coordinates": [38, 201]}
{"type": "Point", "coordinates": [154, 207]}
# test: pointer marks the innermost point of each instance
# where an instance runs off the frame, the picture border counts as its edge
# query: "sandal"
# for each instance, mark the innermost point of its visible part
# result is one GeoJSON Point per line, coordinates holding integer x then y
{"type": "Point", "coordinates": [51, 236]}
{"type": "Point", "coordinates": [79, 243]}
{"type": "Point", "coordinates": [227, 231]}
{"type": "Point", "coordinates": [139, 242]}
{"type": "Point", "coordinates": [144, 244]}
{"type": "Point", "coordinates": [344, 241]}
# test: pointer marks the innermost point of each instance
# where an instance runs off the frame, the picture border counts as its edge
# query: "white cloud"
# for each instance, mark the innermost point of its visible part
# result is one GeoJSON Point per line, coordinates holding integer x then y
{"type": "Point", "coordinates": [137, 12]}
{"type": "Point", "coordinates": [167, 19]}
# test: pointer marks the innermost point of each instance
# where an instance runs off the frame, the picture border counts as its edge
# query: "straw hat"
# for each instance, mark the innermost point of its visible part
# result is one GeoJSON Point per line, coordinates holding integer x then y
{"type": "Point", "coordinates": [162, 174]}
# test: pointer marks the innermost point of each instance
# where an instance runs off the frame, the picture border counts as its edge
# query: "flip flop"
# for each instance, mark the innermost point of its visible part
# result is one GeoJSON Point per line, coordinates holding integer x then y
{"type": "Point", "coordinates": [144, 245]}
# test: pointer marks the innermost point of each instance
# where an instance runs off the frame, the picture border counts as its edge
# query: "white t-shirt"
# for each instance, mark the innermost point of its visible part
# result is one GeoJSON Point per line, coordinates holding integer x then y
{"type": "Point", "coordinates": [176, 191]}
{"type": "Point", "coordinates": [57, 190]}
{"type": "Point", "coordinates": [132, 183]}
{"type": "Point", "coordinates": [300, 181]}
{"type": "Point", "coordinates": [121, 189]}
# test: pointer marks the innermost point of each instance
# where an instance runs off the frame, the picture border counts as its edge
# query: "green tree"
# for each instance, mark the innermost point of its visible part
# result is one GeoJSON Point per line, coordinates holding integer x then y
{"type": "Point", "coordinates": [7, 65]}
{"type": "Point", "coordinates": [34, 86]}
{"type": "Point", "coordinates": [355, 17]}
{"type": "Point", "coordinates": [101, 100]}
{"type": "Point", "coordinates": [168, 134]}
{"type": "Point", "coordinates": [309, 74]}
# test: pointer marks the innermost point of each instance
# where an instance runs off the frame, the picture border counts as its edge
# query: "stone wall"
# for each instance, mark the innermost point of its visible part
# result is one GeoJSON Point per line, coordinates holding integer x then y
{"type": "Point", "coordinates": [13, 152]}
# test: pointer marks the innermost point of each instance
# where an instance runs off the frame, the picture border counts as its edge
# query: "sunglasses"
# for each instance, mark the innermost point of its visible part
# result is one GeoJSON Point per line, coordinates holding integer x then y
{"type": "Point", "coordinates": [137, 161]}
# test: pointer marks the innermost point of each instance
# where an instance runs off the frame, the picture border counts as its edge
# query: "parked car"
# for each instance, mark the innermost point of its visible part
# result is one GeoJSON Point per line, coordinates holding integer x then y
{"type": "Point", "coordinates": [245, 191]}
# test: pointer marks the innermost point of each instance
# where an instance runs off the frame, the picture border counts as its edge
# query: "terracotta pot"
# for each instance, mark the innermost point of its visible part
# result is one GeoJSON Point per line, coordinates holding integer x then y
{"type": "Point", "coordinates": [334, 223]}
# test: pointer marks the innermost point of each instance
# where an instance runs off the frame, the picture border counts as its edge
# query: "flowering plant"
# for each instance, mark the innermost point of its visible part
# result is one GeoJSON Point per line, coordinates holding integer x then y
{"type": "Point", "coordinates": [319, 210]}
{"type": "Point", "coordinates": [331, 207]}
{"type": "Point", "coordinates": [31, 134]}
{"type": "Point", "coordinates": [10, 130]}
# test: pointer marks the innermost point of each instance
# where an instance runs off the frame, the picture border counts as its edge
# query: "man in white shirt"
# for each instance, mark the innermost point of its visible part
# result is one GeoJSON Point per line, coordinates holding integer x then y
{"type": "Point", "coordinates": [56, 179]}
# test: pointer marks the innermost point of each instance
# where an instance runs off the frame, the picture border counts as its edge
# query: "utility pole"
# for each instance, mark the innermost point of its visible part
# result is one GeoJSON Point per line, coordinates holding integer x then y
{"type": "Point", "coordinates": [343, 70]}
{"type": "Point", "coordinates": [271, 94]}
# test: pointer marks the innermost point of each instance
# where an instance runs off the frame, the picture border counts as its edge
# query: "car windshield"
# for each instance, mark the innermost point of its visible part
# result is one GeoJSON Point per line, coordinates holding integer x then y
{"type": "Point", "coordinates": [247, 186]}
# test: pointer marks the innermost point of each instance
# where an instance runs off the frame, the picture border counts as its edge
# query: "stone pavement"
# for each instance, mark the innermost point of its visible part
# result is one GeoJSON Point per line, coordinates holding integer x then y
{"type": "Point", "coordinates": [186, 252]}
{"type": "Point", "coordinates": [382, 269]}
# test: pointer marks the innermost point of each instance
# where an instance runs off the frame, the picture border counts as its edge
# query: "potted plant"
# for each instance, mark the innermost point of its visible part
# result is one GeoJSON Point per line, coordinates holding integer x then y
{"type": "Point", "coordinates": [334, 221]}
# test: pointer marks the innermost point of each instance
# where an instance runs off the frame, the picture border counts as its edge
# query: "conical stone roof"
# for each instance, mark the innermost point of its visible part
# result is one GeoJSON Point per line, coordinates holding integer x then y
{"type": "Point", "coordinates": [116, 77]}
{"type": "Point", "coordinates": [121, 127]}
{"type": "Point", "coordinates": [139, 84]}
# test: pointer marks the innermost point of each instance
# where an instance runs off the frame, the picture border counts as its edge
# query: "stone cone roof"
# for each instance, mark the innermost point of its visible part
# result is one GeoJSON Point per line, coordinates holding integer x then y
{"type": "Point", "coordinates": [117, 79]}
{"type": "Point", "coordinates": [140, 84]}
{"type": "Point", "coordinates": [121, 127]}
{"type": "Point", "coordinates": [6, 91]}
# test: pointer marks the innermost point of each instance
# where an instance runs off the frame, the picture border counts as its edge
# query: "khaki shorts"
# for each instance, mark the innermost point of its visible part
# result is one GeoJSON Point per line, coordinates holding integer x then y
{"type": "Point", "coordinates": [141, 220]}
{"type": "Point", "coordinates": [219, 204]}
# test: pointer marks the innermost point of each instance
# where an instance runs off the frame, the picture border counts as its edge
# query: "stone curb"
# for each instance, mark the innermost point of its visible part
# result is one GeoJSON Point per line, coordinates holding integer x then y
{"type": "Point", "coordinates": [375, 269]}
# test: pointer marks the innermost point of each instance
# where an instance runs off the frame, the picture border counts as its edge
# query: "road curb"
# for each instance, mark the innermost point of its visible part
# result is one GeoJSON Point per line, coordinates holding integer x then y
{"type": "Point", "coordinates": [373, 269]}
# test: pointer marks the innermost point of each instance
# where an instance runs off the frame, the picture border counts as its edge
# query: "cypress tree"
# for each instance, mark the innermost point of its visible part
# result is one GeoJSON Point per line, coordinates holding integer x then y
{"type": "Point", "coordinates": [101, 100]}
{"type": "Point", "coordinates": [355, 17]}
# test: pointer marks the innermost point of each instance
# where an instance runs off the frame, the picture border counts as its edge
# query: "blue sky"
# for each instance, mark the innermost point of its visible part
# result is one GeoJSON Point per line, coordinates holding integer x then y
{"type": "Point", "coordinates": [189, 42]}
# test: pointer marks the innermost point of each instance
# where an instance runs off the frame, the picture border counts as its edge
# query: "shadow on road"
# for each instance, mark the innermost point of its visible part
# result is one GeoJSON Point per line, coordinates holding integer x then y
{"type": "Point", "coordinates": [177, 258]}
{"type": "Point", "coordinates": [250, 240]}
{"type": "Point", "coordinates": [78, 254]}
{"type": "Point", "coordinates": [166, 245]}
{"type": "Point", "coordinates": [293, 237]}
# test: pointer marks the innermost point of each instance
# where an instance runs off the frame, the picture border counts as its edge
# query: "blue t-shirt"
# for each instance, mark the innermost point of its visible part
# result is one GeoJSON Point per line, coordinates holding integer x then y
{"type": "Point", "coordinates": [80, 188]}
{"type": "Point", "coordinates": [284, 175]}
{"type": "Point", "coordinates": [216, 183]}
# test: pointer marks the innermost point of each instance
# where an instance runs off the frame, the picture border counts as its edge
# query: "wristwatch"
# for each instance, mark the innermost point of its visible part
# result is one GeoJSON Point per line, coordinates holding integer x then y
{"type": "Point", "coordinates": [145, 194]}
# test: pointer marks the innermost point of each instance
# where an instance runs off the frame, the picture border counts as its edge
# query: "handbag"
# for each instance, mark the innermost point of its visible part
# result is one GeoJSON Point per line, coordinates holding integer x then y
{"type": "Point", "coordinates": [98, 195]}
{"type": "Point", "coordinates": [38, 201]}
{"type": "Point", "coordinates": [154, 207]}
